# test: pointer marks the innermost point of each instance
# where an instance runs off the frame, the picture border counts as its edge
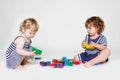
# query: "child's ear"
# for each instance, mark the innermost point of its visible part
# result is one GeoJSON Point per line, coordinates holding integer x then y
{"type": "Point", "coordinates": [23, 30]}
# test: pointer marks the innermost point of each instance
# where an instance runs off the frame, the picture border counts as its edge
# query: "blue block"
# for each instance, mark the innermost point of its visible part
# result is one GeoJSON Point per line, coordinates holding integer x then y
{"type": "Point", "coordinates": [66, 62]}
{"type": "Point", "coordinates": [48, 63]}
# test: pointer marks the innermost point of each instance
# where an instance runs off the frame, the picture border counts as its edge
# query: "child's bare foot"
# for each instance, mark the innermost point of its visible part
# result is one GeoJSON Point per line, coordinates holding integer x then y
{"type": "Point", "coordinates": [26, 62]}
{"type": "Point", "coordinates": [20, 67]}
{"type": "Point", "coordinates": [88, 64]}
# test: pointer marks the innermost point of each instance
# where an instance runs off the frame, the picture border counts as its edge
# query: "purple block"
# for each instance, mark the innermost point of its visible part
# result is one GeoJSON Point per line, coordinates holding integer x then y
{"type": "Point", "coordinates": [58, 65]}
{"type": "Point", "coordinates": [42, 63]}
{"type": "Point", "coordinates": [55, 65]}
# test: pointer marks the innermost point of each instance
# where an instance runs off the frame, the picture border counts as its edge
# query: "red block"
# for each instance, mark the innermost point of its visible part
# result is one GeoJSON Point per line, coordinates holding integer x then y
{"type": "Point", "coordinates": [51, 64]}
{"type": "Point", "coordinates": [54, 61]}
{"type": "Point", "coordinates": [76, 62]}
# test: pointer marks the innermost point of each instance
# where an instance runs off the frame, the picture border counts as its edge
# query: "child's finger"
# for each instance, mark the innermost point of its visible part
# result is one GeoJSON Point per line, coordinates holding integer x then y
{"type": "Point", "coordinates": [34, 51]}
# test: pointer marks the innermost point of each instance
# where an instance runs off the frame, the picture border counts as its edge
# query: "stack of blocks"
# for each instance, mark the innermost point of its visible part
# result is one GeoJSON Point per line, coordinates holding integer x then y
{"type": "Point", "coordinates": [60, 63]}
{"type": "Point", "coordinates": [38, 52]}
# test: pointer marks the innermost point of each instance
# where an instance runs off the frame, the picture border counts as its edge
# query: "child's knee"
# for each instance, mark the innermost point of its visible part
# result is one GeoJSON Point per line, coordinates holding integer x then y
{"type": "Point", "coordinates": [76, 58]}
{"type": "Point", "coordinates": [108, 52]}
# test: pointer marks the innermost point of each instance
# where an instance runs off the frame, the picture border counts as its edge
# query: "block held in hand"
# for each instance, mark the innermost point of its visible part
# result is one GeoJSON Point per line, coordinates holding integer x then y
{"type": "Point", "coordinates": [37, 51]}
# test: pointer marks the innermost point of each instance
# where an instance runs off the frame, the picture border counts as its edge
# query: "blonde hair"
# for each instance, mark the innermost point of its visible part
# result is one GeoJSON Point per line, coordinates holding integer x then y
{"type": "Point", "coordinates": [97, 23]}
{"type": "Point", "coordinates": [27, 23]}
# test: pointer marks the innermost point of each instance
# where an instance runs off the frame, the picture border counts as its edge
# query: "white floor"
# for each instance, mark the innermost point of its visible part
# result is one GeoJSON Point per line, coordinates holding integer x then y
{"type": "Point", "coordinates": [108, 71]}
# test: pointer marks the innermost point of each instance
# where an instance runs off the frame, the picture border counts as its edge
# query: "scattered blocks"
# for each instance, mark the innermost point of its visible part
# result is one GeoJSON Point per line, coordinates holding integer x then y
{"type": "Point", "coordinates": [60, 63]}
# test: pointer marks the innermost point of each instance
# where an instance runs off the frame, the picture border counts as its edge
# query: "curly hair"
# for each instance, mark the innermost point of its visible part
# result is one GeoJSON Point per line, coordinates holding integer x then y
{"type": "Point", "coordinates": [97, 22]}
{"type": "Point", "coordinates": [27, 23]}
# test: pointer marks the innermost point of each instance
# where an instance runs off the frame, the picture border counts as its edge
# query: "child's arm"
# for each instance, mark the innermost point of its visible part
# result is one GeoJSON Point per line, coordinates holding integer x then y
{"type": "Point", "coordinates": [19, 47]}
{"type": "Point", "coordinates": [84, 42]}
{"type": "Point", "coordinates": [98, 46]}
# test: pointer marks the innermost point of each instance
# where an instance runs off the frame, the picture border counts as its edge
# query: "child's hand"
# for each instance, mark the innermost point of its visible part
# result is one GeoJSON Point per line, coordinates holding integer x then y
{"type": "Point", "coordinates": [32, 54]}
{"type": "Point", "coordinates": [87, 46]}
{"type": "Point", "coordinates": [83, 44]}
{"type": "Point", "coordinates": [93, 44]}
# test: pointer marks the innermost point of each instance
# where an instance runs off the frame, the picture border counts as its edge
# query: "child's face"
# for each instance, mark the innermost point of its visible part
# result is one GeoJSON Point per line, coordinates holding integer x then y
{"type": "Point", "coordinates": [92, 31]}
{"type": "Point", "coordinates": [29, 33]}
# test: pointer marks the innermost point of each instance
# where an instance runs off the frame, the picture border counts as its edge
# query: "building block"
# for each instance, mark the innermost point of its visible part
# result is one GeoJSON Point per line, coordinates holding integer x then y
{"type": "Point", "coordinates": [87, 46]}
{"type": "Point", "coordinates": [48, 63]}
{"type": "Point", "coordinates": [54, 61]}
{"type": "Point", "coordinates": [76, 62]}
{"type": "Point", "coordinates": [37, 58]}
{"type": "Point", "coordinates": [66, 62]}
{"type": "Point", "coordinates": [64, 58]}
{"type": "Point", "coordinates": [52, 64]}
{"type": "Point", "coordinates": [37, 51]}
{"type": "Point", "coordinates": [70, 63]}
{"type": "Point", "coordinates": [42, 63]}
{"type": "Point", "coordinates": [58, 65]}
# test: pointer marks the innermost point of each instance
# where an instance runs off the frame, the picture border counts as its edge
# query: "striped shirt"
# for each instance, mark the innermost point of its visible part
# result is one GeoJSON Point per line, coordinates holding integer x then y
{"type": "Point", "coordinates": [101, 39]}
{"type": "Point", "coordinates": [12, 57]}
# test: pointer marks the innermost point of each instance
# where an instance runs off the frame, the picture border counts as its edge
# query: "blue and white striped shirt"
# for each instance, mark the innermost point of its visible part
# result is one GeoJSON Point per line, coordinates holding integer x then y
{"type": "Point", "coordinates": [101, 39]}
{"type": "Point", "coordinates": [12, 57]}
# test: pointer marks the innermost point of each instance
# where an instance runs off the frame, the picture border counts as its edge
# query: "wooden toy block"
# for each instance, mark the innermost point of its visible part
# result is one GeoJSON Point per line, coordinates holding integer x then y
{"type": "Point", "coordinates": [42, 63]}
{"type": "Point", "coordinates": [48, 63]}
{"type": "Point", "coordinates": [54, 61]}
{"type": "Point", "coordinates": [88, 46]}
{"type": "Point", "coordinates": [37, 51]}
{"type": "Point", "coordinates": [76, 62]}
{"type": "Point", "coordinates": [58, 65]}
{"type": "Point", "coordinates": [52, 64]}
{"type": "Point", "coordinates": [64, 58]}
{"type": "Point", "coordinates": [66, 62]}
{"type": "Point", "coordinates": [70, 63]}
{"type": "Point", "coordinates": [71, 60]}
{"type": "Point", "coordinates": [37, 58]}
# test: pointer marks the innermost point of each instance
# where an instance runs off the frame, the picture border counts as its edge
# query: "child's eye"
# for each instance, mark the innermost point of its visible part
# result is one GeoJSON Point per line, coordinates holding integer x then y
{"type": "Point", "coordinates": [32, 33]}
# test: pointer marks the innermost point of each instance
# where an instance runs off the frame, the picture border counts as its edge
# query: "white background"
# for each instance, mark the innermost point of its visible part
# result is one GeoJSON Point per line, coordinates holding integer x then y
{"type": "Point", "coordinates": [61, 31]}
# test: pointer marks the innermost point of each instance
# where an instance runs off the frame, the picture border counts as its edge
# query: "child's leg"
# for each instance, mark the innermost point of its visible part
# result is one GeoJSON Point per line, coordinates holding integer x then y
{"type": "Point", "coordinates": [81, 57]}
{"type": "Point", "coordinates": [19, 67]}
{"type": "Point", "coordinates": [76, 58]}
{"type": "Point", "coordinates": [25, 61]}
{"type": "Point", "coordinates": [100, 58]}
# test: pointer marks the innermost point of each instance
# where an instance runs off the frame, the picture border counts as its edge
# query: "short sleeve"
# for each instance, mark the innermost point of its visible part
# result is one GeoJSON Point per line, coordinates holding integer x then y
{"type": "Point", "coordinates": [103, 41]}
{"type": "Point", "coordinates": [86, 38]}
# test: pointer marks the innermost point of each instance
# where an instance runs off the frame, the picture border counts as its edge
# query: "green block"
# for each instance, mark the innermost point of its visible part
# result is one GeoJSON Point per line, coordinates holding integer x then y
{"type": "Point", "coordinates": [37, 51]}
{"type": "Point", "coordinates": [70, 63]}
